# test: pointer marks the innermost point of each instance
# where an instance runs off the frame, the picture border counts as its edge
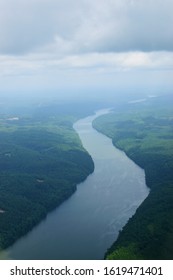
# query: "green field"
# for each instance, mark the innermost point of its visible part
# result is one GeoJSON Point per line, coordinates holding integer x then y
{"type": "Point", "coordinates": [145, 132]}
{"type": "Point", "coordinates": [41, 162]}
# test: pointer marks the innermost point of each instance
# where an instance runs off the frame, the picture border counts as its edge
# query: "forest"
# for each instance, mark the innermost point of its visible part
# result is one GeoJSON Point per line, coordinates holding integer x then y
{"type": "Point", "coordinates": [41, 162]}
{"type": "Point", "coordinates": [145, 132]}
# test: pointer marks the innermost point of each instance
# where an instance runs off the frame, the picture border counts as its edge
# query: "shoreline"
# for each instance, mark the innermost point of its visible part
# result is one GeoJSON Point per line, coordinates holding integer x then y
{"type": "Point", "coordinates": [147, 233]}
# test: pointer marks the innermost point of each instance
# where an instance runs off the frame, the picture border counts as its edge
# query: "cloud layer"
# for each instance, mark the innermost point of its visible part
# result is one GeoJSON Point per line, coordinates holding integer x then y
{"type": "Point", "coordinates": [45, 38]}
{"type": "Point", "coordinates": [85, 25]}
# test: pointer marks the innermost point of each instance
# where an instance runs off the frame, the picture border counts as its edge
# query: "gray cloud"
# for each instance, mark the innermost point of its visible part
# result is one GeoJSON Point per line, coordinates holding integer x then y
{"type": "Point", "coordinates": [27, 25]}
{"type": "Point", "coordinates": [128, 25]}
{"type": "Point", "coordinates": [76, 26]}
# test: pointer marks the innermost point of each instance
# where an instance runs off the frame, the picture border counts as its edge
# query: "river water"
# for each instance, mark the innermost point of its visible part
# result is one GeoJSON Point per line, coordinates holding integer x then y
{"type": "Point", "coordinates": [86, 225]}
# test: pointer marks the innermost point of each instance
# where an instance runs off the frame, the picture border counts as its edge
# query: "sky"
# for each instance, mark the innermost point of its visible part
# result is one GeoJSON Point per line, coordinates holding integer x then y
{"type": "Point", "coordinates": [73, 47]}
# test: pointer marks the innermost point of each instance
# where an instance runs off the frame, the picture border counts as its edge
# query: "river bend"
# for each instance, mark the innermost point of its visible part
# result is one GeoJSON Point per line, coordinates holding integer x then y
{"type": "Point", "coordinates": [86, 225]}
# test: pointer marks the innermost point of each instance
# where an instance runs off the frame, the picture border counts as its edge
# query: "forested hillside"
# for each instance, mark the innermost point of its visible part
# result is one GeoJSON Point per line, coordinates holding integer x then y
{"type": "Point", "coordinates": [41, 162]}
{"type": "Point", "coordinates": [145, 132]}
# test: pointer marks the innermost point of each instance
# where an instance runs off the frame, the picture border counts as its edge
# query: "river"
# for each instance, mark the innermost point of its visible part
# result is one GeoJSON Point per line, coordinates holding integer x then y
{"type": "Point", "coordinates": [86, 225]}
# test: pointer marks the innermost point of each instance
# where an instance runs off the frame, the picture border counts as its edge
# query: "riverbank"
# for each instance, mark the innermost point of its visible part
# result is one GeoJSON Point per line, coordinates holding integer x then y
{"type": "Point", "coordinates": [89, 215]}
{"type": "Point", "coordinates": [46, 163]}
{"type": "Point", "coordinates": [146, 137]}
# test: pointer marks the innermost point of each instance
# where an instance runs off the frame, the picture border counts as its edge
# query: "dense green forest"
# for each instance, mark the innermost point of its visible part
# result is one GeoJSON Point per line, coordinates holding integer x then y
{"type": "Point", "coordinates": [41, 162]}
{"type": "Point", "coordinates": [145, 132]}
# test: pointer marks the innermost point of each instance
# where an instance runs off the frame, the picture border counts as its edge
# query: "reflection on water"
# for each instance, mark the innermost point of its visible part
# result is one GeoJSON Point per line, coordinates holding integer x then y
{"type": "Point", "coordinates": [87, 224]}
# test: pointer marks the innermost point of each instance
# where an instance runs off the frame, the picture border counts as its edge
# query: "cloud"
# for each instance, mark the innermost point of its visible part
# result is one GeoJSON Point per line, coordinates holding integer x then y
{"type": "Point", "coordinates": [55, 43]}
{"type": "Point", "coordinates": [105, 62]}
{"type": "Point", "coordinates": [116, 26]}
{"type": "Point", "coordinates": [74, 26]}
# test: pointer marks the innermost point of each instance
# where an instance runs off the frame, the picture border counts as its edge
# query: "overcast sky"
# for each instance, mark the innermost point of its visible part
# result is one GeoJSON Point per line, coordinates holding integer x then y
{"type": "Point", "coordinates": [70, 45]}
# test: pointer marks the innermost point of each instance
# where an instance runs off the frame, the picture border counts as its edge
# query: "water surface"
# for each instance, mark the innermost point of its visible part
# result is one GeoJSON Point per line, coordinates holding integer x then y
{"type": "Point", "coordinates": [85, 225]}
